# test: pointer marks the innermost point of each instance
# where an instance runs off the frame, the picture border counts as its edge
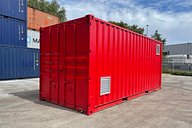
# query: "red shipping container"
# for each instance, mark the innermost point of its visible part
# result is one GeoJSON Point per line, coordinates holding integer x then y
{"type": "Point", "coordinates": [88, 64]}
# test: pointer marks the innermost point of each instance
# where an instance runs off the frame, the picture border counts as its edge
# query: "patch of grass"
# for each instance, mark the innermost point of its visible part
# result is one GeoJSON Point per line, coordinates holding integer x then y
{"type": "Point", "coordinates": [177, 72]}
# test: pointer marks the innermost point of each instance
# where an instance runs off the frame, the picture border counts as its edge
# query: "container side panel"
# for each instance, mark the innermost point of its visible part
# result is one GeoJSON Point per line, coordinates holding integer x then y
{"type": "Point", "coordinates": [138, 46]}
{"type": "Point", "coordinates": [149, 64]}
{"type": "Point", "coordinates": [111, 56]}
{"type": "Point", "coordinates": [160, 63]}
{"type": "Point", "coordinates": [123, 64]}
{"type": "Point", "coordinates": [145, 64]}
{"type": "Point", "coordinates": [99, 58]}
{"type": "Point", "coordinates": [94, 60]}
{"type": "Point", "coordinates": [127, 59]}
{"type": "Point", "coordinates": [131, 63]}
{"type": "Point", "coordinates": [135, 63]}
{"type": "Point", "coordinates": [35, 23]}
{"type": "Point", "coordinates": [141, 66]}
{"type": "Point", "coordinates": [127, 64]}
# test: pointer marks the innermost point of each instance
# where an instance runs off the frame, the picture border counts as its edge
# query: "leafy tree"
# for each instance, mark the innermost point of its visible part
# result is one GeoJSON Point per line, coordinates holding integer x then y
{"type": "Point", "coordinates": [33, 3]}
{"type": "Point", "coordinates": [43, 5]}
{"type": "Point", "coordinates": [62, 14]}
{"type": "Point", "coordinates": [134, 27]}
{"type": "Point", "coordinates": [159, 37]}
{"type": "Point", "coordinates": [137, 29]}
{"type": "Point", "coordinates": [52, 7]}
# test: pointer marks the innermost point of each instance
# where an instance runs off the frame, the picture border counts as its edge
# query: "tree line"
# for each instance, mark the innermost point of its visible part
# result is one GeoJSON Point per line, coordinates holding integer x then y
{"type": "Point", "coordinates": [54, 8]}
{"type": "Point", "coordinates": [137, 29]}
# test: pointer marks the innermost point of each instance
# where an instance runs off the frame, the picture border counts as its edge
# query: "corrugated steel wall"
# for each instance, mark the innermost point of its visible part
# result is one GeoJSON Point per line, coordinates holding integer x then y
{"type": "Point", "coordinates": [129, 59]}
{"type": "Point", "coordinates": [13, 32]}
{"type": "Point", "coordinates": [77, 55]}
{"type": "Point", "coordinates": [18, 62]}
{"type": "Point", "coordinates": [37, 19]}
{"type": "Point", "coordinates": [33, 39]}
{"type": "Point", "coordinates": [179, 49]}
{"type": "Point", "coordinates": [14, 8]}
{"type": "Point", "coordinates": [64, 54]}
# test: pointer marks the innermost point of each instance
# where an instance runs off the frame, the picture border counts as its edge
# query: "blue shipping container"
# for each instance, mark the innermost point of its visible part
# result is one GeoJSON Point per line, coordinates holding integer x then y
{"type": "Point", "coordinates": [18, 62]}
{"type": "Point", "coordinates": [13, 32]}
{"type": "Point", "coordinates": [14, 8]}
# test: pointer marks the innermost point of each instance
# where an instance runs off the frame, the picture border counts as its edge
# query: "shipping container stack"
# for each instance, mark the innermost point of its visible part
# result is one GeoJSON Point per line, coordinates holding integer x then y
{"type": "Point", "coordinates": [36, 20]}
{"type": "Point", "coordinates": [16, 60]}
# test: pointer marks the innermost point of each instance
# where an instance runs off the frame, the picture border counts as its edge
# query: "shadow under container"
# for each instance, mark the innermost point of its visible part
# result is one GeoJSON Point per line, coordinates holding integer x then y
{"type": "Point", "coordinates": [88, 64]}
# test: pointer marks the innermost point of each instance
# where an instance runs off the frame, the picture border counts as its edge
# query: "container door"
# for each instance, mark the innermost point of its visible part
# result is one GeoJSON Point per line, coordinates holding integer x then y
{"type": "Point", "coordinates": [22, 9]}
{"type": "Point", "coordinates": [4, 8]}
{"type": "Point", "coordinates": [70, 66]}
{"type": "Point", "coordinates": [36, 63]}
{"type": "Point", "coordinates": [1, 26]}
{"type": "Point", "coordinates": [45, 65]}
{"type": "Point", "coordinates": [62, 57]}
{"type": "Point", "coordinates": [22, 34]}
{"type": "Point", "coordinates": [54, 66]}
{"type": "Point", "coordinates": [2, 66]}
{"type": "Point", "coordinates": [1, 58]}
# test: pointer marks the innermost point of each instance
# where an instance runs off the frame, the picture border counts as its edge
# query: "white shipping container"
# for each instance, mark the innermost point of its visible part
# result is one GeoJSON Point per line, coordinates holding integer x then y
{"type": "Point", "coordinates": [33, 39]}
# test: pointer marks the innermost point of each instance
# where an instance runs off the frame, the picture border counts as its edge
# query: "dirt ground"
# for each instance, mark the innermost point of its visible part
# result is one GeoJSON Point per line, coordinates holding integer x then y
{"type": "Point", "coordinates": [170, 107]}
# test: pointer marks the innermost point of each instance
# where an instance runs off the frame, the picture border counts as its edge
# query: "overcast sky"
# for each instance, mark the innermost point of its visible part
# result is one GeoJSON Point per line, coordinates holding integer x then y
{"type": "Point", "coordinates": [173, 18]}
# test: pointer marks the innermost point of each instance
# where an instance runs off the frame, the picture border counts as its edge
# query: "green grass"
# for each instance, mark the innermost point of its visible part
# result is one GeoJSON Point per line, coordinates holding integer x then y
{"type": "Point", "coordinates": [177, 72]}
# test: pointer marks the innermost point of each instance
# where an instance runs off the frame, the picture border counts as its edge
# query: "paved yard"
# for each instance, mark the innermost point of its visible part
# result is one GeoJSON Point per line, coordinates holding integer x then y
{"type": "Point", "coordinates": [170, 107]}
